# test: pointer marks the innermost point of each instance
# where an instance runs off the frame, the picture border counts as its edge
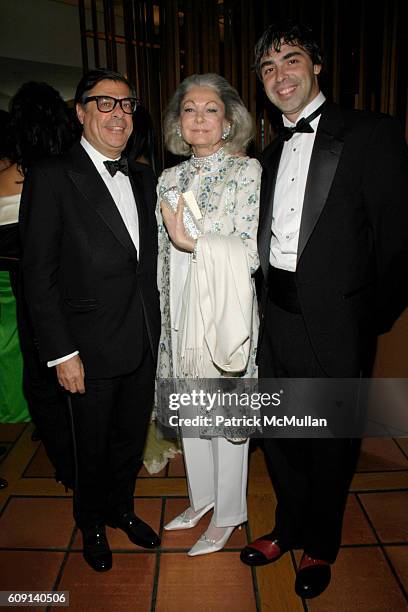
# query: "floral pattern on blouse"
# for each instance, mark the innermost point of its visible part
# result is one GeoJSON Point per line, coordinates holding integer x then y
{"type": "Point", "coordinates": [228, 198]}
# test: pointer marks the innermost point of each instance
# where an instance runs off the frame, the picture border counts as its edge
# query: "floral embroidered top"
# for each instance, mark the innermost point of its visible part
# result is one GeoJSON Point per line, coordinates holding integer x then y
{"type": "Point", "coordinates": [226, 188]}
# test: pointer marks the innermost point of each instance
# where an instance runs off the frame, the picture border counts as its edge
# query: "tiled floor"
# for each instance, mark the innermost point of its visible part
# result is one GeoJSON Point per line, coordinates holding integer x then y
{"type": "Point", "coordinates": [40, 548]}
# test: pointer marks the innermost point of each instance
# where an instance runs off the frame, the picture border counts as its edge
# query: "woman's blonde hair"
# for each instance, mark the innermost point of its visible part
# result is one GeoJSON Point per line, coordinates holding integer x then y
{"type": "Point", "coordinates": [241, 132]}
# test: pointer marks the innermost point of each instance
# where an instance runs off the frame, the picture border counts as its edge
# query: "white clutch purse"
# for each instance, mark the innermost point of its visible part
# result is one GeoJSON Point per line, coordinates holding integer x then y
{"type": "Point", "coordinates": [191, 213]}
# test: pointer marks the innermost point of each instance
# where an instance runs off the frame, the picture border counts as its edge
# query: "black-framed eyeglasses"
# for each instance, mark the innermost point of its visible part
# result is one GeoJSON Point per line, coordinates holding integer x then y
{"type": "Point", "coordinates": [106, 104]}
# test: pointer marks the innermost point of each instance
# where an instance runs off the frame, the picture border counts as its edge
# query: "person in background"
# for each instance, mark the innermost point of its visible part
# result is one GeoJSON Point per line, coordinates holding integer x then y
{"type": "Point", "coordinates": [13, 405]}
{"type": "Point", "coordinates": [207, 122]}
{"type": "Point", "coordinates": [333, 248]}
{"type": "Point", "coordinates": [141, 146]}
{"type": "Point", "coordinates": [38, 126]}
{"type": "Point", "coordinates": [89, 238]}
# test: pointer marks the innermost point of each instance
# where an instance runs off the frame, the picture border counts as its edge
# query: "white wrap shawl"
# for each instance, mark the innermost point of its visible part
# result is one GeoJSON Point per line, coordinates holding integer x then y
{"type": "Point", "coordinates": [217, 309]}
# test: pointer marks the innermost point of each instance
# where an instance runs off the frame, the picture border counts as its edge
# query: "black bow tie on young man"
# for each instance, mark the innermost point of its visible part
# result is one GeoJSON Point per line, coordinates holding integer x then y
{"type": "Point", "coordinates": [303, 125]}
{"type": "Point", "coordinates": [117, 165]}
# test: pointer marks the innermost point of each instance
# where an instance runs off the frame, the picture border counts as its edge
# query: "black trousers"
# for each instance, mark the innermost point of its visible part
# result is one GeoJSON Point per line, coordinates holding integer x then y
{"type": "Point", "coordinates": [311, 477]}
{"type": "Point", "coordinates": [47, 402]}
{"type": "Point", "coordinates": [110, 426]}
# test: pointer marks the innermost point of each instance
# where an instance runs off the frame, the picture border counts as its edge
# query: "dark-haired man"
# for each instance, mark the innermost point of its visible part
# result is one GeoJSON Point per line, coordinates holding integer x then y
{"type": "Point", "coordinates": [89, 265]}
{"type": "Point", "coordinates": [333, 246]}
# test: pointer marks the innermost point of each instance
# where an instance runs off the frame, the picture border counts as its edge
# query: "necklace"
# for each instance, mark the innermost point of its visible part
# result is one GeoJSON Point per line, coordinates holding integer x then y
{"type": "Point", "coordinates": [208, 161]}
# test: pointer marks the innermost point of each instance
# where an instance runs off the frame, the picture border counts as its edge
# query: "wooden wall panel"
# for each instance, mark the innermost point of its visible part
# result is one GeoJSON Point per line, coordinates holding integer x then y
{"type": "Point", "coordinates": [365, 50]}
{"type": "Point", "coordinates": [130, 41]}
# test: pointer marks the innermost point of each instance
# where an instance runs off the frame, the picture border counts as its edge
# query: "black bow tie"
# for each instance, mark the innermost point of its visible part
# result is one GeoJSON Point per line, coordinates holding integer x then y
{"type": "Point", "coordinates": [118, 165]}
{"type": "Point", "coordinates": [303, 125]}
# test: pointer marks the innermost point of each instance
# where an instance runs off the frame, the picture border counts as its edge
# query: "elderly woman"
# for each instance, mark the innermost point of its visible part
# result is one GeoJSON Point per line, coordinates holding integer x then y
{"type": "Point", "coordinates": [209, 320]}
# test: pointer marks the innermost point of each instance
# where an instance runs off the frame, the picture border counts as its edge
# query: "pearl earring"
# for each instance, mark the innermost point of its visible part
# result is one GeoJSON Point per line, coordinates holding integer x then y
{"type": "Point", "coordinates": [178, 131]}
{"type": "Point", "coordinates": [226, 132]}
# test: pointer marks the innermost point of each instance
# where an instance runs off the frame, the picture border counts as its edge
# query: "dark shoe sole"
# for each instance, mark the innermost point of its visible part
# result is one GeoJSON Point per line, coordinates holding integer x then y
{"type": "Point", "coordinates": [132, 537]}
{"type": "Point", "coordinates": [259, 562]}
{"type": "Point", "coordinates": [259, 556]}
{"type": "Point", "coordinates": [313, 590]}
{"type": "Point", "coordinates": [97, 568]}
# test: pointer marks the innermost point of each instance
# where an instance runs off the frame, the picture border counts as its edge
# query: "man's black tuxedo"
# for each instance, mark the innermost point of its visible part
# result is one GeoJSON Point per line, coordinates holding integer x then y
{"type": "Point", "coordinates": [351, 284]}
{"type": "Point", "coordinates": [353, 243]}
{"type": "Point", "coordinates": [88, 289]}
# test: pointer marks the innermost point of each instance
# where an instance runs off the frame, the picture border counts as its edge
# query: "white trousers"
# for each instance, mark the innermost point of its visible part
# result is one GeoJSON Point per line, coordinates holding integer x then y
{"type": "Point", "coordinates": [217, 471]}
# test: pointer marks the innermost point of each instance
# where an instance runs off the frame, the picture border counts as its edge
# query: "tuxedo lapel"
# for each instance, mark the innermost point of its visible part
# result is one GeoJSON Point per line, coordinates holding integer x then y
{"type": "Point", "coordinates": [270, 164]}
{"type": "Point", "coordinates": [325, 157]}
{"type": "Point", "coordinates": [138, 192]}
{"type": "Point", "coordinates": [90, 183]}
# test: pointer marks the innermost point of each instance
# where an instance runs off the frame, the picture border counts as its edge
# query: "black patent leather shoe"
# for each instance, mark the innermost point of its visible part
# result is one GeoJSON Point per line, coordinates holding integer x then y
{"type": "Point", "coordinates": [96, 549]}
{"type": "Point", "coordinates": [312, 578]}
{"type": "Point", "coordinates": [3, 483]}
{"type": "Point", "coordinates": [136, 530]}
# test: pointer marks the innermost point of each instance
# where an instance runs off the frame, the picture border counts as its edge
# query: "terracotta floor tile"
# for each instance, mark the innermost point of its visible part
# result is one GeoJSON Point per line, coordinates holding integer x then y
{"type": "Point", "coordinates": [127, 586]}
{"type": "Point", "coordinates": [356, 529]}
{"type": "Point", "coordinates": [209, 583]}
{"type": "Point", "coordinates": [145, 474]}
{"type": "Point", "coordinates": [176, 466]}
{"type": "Point", "coordinates": [158, 487]}
{"type": "Point", "coordinates": [381, 454]}
{"type": "Point", "coordinates": [373, 481]}
{"type": "Point", "coordinates": [297, 555]}
{"type": "Point", "coordinates": [149, 510]}
{"type": "Point", "coordinates": [261, 513]}
{"type": "Point", "coordinates": [398, 556]}
{"type": "Point", "coordinates": [36, 523]}
{"type": "Point", "coordinates": [40, 487]}
{"type": "Point", "coordinates": [9, 432]}
{"type": "Point", "coordinates": [403, 442]}
{"type": "Point", "coordinates": [6, 446]}
{"type": "Point", "coordinates": [361, 580]}
{"type": "Point", "coordinates": [276, 587]}
{"type": "Point", "coordinates": [388, 513]}
{"type": "Point", "coordinates": [40, 466]}
{"type": "Point", "coordinates": [29, 570]}
{"type": "Point", "coordinates": [185, 538]}
{"type": "Point", "coordinates": [257, 465]}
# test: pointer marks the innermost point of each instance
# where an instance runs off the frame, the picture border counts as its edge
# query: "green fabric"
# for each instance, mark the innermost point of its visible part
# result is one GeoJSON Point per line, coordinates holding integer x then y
{"type": "Point", "coordinates": [13, 407]}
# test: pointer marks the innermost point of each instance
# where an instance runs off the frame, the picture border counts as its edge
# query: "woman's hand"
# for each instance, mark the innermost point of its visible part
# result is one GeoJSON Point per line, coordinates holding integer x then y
{"type": "Point", "coordinates": [175, 226]}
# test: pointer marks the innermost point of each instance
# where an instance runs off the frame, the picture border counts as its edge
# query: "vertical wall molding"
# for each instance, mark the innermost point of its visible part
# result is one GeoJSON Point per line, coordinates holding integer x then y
{"type": "Point", "coordinates": [163, 41]}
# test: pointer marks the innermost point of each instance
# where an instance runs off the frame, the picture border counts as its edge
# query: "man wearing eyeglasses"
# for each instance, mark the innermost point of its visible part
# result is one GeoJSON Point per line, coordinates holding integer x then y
{"type": "Point", "coordinates": [89, 265]}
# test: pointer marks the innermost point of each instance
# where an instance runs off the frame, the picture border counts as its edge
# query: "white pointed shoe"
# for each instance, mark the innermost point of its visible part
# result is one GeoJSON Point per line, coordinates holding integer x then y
{"type": "Point", "coordinates": [181, 522]}
{"type": "Point", "coordinates": [204, 545]}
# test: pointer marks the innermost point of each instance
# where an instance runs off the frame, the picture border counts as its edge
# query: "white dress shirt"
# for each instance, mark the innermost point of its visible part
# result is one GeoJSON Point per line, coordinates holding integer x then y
{"type": "Point", "coordinates": [121, 191]}
{"type": "Point", "coordinates": [290, 191]}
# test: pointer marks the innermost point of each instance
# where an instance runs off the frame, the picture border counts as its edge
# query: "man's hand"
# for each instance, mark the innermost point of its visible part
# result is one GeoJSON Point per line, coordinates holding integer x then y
{"type": "Point", "coordinates": [71, 375]}
{"type": "Point", "coordinates": [175, 227]}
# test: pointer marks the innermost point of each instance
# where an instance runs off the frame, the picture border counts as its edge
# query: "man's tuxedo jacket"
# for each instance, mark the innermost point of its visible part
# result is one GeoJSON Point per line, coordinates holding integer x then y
{"type": "Point", "coordinates": [352, 274]}
{"type": "Point", "coordinates": [86, 287]}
